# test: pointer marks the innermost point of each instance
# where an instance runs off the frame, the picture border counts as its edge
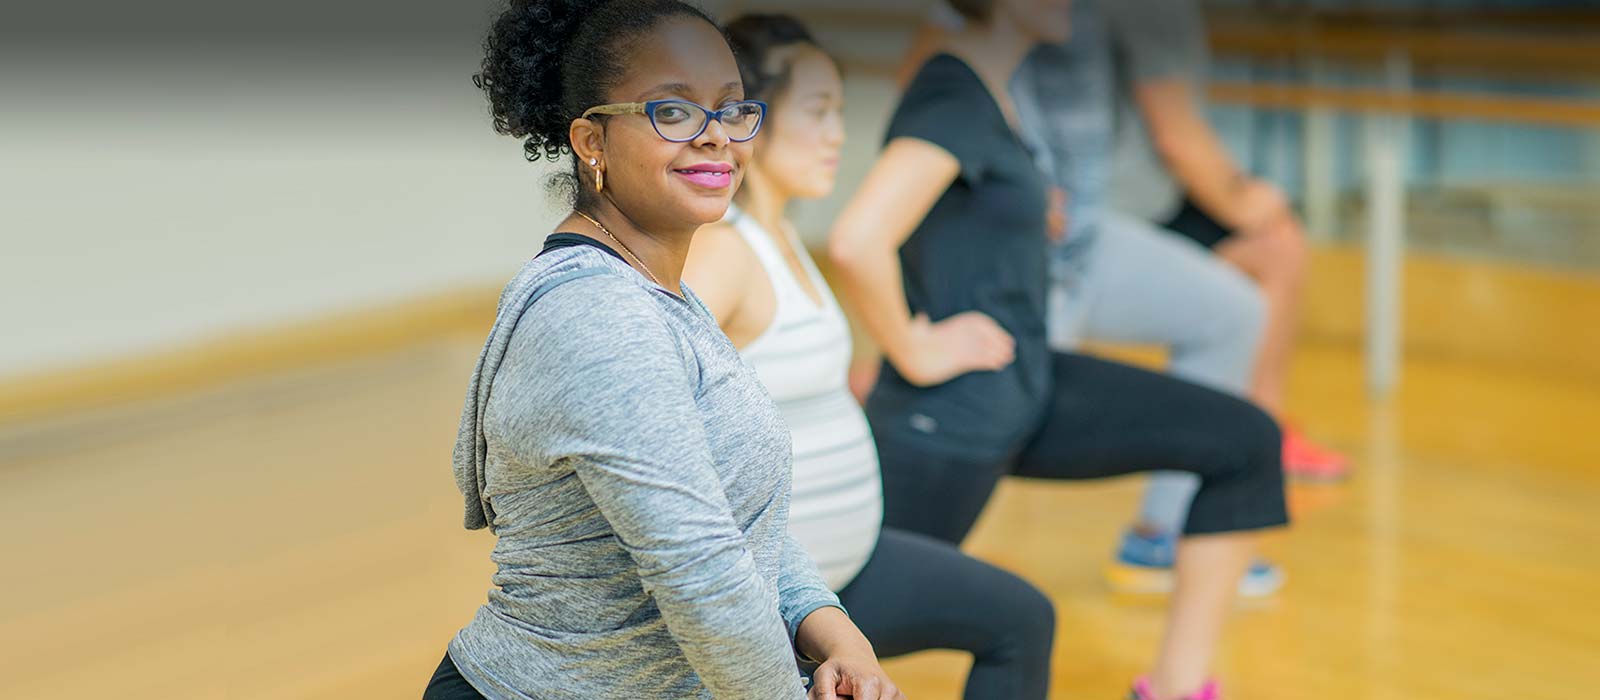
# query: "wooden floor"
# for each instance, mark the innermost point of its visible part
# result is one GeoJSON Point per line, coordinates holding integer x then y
{"type": "Point", "coordinates": [299, 537]}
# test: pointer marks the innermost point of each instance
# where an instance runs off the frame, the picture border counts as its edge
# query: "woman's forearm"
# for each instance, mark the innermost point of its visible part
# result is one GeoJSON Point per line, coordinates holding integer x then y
{"type": "Point", "coordinates": [1193, 153]}
{"type": "Point", "coordinates": [828, 633]}
{"type": "Point", "coordinates": [1208, 175]}
{"type": "Point", "coordinates": [899, 190]}
{"type": "Point", "coordinates": [873, 288]}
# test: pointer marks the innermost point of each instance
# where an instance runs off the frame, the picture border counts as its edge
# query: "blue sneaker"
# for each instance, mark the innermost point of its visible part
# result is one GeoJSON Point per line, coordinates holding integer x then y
{"type": "Point", "coordinates": [1143, 565]}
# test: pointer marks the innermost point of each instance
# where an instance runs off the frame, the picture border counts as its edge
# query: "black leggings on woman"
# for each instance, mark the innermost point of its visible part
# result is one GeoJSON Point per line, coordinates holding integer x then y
{"type": "Point", "coordinates": [918, 593]}
{"type": "Point", "coordinates": [1103, 419]}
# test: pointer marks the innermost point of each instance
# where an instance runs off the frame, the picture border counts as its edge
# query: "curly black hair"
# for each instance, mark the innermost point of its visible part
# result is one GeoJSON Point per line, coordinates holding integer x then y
{"type": "Point", "coordinates": [546, 61]}
{"type": "Point", "coordinates": [754, 38]}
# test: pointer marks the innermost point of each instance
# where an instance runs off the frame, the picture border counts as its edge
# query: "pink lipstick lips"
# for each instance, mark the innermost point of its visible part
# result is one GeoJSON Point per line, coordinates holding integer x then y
{"type": "Point", "coordinates": [713, 176]}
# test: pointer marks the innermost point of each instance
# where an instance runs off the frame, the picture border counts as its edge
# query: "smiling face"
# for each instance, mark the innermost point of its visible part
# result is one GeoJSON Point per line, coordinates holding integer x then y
{"type": "Point", "coordinates": [657, 183]}
{"type": "Point", "coordinates": [798, 150]}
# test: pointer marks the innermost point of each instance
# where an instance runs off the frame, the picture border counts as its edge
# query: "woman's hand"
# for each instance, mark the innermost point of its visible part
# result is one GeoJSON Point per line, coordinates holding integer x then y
{"type": "Point", "coordinates": [849, 668]}
{"type": "Point", "coordinates": [854, 676]}
{"type": "Point", "coordinates": [935, 353]}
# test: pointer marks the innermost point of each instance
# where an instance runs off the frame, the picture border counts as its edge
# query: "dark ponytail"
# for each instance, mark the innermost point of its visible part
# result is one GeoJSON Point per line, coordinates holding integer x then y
{"type": "Point", "coordinates": [546, 61]}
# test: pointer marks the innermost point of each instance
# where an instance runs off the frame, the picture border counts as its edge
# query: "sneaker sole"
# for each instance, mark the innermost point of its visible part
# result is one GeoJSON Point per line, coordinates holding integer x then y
{"type": "Point", "coordinates": [1138, 580]}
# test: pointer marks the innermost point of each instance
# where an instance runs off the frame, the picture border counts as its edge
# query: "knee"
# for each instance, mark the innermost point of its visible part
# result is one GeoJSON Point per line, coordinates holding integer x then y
{"type": "Point", "coordinates": [1265, 440]}
{"type": "Point", "coordinates": [1246, 490]}
{"type": "Point", "coordinates": [1264, 469]}
{"type": "Point", "coordinates": [1030, 617]}
{"type": "Point", "coordinates": [1290, 251]}
{"type": "Point", "coordinates": [1245, 438]}
{"type": "Point", "coordinates": [1043, 614]}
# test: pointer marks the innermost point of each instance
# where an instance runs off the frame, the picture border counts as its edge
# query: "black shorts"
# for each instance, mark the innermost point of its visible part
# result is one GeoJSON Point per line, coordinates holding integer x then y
{"type": "Point", "coordinates": [1194, 224]}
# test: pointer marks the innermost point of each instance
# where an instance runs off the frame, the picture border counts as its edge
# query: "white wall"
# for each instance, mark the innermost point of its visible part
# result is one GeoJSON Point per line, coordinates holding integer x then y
{"type": "Point", "coordinates": [164, 198]}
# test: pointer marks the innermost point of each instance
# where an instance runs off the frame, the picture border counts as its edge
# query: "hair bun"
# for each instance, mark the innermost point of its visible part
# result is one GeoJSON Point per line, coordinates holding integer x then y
{"type": "Point", "coordinates": [521, 72]}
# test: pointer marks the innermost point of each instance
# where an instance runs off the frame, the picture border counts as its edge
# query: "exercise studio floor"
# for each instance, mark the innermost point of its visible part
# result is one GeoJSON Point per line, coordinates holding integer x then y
{"type": "Point", "coordinates": [299, 537]}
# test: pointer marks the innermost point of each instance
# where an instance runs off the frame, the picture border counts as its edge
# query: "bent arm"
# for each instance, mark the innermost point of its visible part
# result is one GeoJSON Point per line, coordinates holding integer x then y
{"type": "Point", "coordinates": [899, 191]}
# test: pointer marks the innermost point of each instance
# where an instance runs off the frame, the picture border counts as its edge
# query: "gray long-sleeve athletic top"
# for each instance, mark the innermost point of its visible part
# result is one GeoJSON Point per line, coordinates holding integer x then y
{"type": "Point", "coordinates": [636, 474]}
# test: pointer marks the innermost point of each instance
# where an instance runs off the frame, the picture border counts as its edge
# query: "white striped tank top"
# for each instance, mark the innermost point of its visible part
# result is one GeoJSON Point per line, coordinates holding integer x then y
{"type": "Point", "coordinates": [804, 359]}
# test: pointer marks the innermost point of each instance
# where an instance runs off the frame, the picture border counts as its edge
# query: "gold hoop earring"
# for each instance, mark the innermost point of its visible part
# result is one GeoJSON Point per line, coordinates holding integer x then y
{"type": "Point", "coordinates": [599, 175]}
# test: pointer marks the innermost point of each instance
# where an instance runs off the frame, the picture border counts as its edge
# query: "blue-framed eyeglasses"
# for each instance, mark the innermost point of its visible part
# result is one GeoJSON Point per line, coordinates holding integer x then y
{"type": "Point", "coordinates": [680, 121]}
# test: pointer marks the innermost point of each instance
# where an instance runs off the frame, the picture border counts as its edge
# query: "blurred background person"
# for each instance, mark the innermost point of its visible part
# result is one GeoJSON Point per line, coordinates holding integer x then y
{"type": "Point", "coordinates": [1171, 168]}
{"type": "Point", "coordinates": [943, 252]}
{"type": "Point", "coordinates": [1165, 148]}
{"type": "Point", "coordinates": [1116, 278]}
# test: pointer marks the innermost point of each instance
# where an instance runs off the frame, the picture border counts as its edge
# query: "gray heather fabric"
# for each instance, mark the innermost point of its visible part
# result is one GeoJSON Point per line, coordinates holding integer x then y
{"type": "Point", "coordinates": [636, 475]}
{"type": "Point", "coordinates": [1152, 40]}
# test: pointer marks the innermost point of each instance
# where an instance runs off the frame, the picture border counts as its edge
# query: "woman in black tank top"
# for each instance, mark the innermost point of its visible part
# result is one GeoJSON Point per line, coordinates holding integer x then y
{"type": "Point", "coordinates": [943, 252]}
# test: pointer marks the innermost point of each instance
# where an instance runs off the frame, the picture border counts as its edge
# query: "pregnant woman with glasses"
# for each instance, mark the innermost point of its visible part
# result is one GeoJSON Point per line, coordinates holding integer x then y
{"type": "Point", "coordinates": [632, 467]}
{"type": "Point", "coordinates": [944, 250]}
{"type": "Point", "coordinates": [758, 281]}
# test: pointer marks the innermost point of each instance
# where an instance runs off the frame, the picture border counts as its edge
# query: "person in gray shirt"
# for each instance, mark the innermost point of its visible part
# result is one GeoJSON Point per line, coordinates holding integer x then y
{"type": "Point", "coordinates": [634, 470]}
{"type": "Point", "coordinates": [1172, 169]}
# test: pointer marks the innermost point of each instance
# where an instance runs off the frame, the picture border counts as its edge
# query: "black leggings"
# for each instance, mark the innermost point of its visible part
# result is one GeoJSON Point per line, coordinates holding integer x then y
{"type": "Point", "coordinates": [448, 684]}
{"type": "Point", "coordinates": [1104, 419]}
{"type": "Point", "coordinates": [918, 593]}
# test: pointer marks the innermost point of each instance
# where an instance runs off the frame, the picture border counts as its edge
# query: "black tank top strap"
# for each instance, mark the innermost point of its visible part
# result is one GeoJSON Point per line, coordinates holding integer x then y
{"type": "Point", "coordinates": [567, 239]}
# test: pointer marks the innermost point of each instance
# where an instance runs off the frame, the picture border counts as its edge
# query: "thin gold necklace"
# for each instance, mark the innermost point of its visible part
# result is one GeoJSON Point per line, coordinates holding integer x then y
{"type": "Point", "coordinates": [625, 247]}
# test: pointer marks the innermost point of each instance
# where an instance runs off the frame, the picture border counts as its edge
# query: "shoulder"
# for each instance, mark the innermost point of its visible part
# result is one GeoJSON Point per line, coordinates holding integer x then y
{"type": "Point", "coordinates": [720, 269]}
{"type": "Point", "coordinates": [719, 248]}
{"type": "Point", "coordinates": [938, 69]}
{"type": "Point", "coordinates": [948, 108]}
{"type": "Point", "coordinates": [588, 303]}
{"type": "Point", "coordinates": [942, 77]}
{"type": "Point", "coordinates": [945, 104]}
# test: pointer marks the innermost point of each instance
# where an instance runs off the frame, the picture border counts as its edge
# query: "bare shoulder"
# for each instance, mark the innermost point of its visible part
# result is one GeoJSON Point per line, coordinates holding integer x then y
{"type": "Point", "coordinates": [719, 269]}
{"type": "Point", "coordinates": [720, 240]}
{"type": "Point", "coordinates": [718, 253]}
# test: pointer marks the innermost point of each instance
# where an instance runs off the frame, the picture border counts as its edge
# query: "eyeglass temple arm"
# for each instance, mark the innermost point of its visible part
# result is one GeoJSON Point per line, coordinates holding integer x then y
{"type": "Point", "coordinates": [623, 108]}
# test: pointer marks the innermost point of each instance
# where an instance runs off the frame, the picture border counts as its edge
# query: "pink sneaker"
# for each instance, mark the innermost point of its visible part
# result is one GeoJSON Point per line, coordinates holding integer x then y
{"type": "Point", "coordinates": [1305, 460]}
{"type": "Point", "coordinates": [1141, 691]}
